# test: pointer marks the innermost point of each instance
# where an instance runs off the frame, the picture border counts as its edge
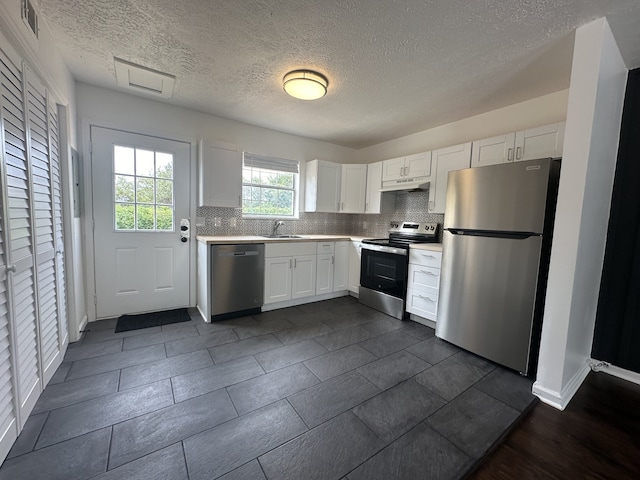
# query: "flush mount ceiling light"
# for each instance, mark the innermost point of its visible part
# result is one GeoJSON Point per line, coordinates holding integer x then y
{"type": "Point", "coordinates": [305, 84]}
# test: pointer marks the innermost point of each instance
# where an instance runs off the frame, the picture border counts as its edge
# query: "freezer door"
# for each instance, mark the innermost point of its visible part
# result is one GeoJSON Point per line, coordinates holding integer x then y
{"type": "Point", "coordinates": [506, 197]}
{"type": "Point", "coordinates": [487, 296]}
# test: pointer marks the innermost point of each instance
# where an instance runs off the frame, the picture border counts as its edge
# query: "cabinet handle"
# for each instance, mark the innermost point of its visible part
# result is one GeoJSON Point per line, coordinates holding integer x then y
{"type": "Point", "coordinates": [428, 299]}
{"type": "Point", "coordinates": [11, 268]}
{"type": "Point", "coordinates": [366, 206]}
{"type": "Point", "coordinates": [240, 200]}
{"type": "Point", "coordinates": [428, 273]}
{"type": "Point", "coordinates": [332, 259]}
{"type": "Point", "coordinates": [427, 256]}
{"type": "Point", "coordinates": [295, 263]}
{"type": "Point", "coordinates": [338, 208]}
{"type": "Point", "coordinates": [518, 153]}
{"type": "Point", "coordinates": [510, 155]}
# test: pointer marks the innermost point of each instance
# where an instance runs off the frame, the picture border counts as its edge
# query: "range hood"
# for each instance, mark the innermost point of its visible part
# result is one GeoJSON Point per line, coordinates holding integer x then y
{"type": "Point", "coordinates": [406, 185]}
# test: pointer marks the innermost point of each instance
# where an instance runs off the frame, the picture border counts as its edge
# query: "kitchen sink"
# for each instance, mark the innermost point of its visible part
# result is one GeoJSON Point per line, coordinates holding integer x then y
{"type": "Point", "coordinates": [281, 236]}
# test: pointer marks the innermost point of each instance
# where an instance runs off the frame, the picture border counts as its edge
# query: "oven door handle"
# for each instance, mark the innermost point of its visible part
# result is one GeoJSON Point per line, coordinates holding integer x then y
{"type": "Point", "coordinates": [384, 249]}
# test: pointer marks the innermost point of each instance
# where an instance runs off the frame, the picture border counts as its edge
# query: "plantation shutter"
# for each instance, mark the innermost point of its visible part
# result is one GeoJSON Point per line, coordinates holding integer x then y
{"type": "Point", "coordinates": [38, 124]}
{"type": "Point", "coordinates": [8, 418]}
{"type": "Point", "coordinates": [56, 189]}
{"type": "Point", "coordinates": [20, 246]}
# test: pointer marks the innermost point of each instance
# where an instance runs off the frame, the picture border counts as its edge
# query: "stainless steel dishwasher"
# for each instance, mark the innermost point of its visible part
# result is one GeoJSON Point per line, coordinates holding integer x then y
{"type": "Point", "coordinates": [237, 280]}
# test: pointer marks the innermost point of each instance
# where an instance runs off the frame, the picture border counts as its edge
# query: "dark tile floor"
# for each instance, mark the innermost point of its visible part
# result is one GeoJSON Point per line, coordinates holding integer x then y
{"type": "Point", "coordinates": [328, 390]}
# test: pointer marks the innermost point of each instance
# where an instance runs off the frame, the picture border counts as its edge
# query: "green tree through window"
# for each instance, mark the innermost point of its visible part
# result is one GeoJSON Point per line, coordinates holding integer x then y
{"type": "Point", "coordinates": [269, 186]}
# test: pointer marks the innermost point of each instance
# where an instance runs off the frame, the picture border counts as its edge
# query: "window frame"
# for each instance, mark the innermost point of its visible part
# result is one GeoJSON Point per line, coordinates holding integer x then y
{"type": "Point", "coordinates": [261, 162]}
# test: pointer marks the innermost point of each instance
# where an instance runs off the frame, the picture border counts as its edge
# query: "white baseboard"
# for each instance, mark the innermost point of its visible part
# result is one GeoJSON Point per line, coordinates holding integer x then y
{"type": "Point", "coordinates": [560, 400]}
{"type": "Point", "coordinates": [301, 301]}
{"type": "Point", "coordinates": [627, 375]}
{"type": "Point", "coordinates": [424, 321]}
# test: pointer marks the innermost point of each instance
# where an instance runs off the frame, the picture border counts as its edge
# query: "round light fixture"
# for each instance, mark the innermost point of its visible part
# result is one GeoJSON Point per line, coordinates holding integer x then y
{"type": "Point", "coordinates": [305, 84]}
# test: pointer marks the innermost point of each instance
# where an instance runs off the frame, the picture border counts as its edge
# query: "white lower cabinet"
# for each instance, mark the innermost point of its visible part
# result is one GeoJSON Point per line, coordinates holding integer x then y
{"type": "Point", "coordinates": [325, 263]}
{"type": "Point", "coordinates": [355, 253]}
{"type": "Point", "coordinates": [423, 284]}
{"type": "Point", "coordinates": [341, 267]}
{"type": "Point", "coordinates": [290, 271]}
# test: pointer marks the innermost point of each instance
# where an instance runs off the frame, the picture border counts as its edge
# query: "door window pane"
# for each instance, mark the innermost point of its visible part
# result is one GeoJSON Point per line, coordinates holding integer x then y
{"type": "Point", "coordinates": [143, 189]}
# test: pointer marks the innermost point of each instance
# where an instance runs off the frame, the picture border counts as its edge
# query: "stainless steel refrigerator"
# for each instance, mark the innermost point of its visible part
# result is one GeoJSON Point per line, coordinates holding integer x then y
{"type": "Point", "coordinates": [497, 239]}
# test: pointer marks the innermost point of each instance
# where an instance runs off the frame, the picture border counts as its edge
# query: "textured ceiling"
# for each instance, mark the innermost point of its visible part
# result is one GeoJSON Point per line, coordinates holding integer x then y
{"type": "Point", "coordinates": [395, 67]}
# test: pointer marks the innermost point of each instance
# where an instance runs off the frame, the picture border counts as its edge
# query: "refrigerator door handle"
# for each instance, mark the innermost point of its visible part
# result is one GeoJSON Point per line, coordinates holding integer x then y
{"type": "Point", "coordinates": [492, 233]}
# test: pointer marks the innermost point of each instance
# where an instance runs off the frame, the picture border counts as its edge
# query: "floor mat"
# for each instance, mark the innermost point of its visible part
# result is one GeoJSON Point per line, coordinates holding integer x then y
{"type": "Point", "coordinates": [153, 319]}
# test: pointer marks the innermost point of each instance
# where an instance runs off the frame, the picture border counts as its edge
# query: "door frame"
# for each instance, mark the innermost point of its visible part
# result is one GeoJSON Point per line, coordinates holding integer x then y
{"type": "Point", "coordinates": [86, 162]}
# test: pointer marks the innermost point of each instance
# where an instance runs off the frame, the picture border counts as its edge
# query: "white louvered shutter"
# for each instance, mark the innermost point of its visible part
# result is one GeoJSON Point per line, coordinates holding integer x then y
{"type": "Point", "coordinates": [56, 189]}
{"type": "Point", "coordinates": [8, 419]}
{"type": "Point", "coordinates": [19, 293]}
{"type": "Point", "coordinates": [21, 248]}
{"type": "Point", "coordinates": [38, 125]}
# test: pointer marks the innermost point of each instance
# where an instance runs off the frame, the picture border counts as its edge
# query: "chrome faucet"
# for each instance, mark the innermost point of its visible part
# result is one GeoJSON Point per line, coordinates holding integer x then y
{"type": "Point", "coordinates": [276, 225]}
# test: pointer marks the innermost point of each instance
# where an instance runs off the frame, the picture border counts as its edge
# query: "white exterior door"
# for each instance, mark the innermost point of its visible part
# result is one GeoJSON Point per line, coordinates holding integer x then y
{"type": "Point", "coordinates": [140, 195]}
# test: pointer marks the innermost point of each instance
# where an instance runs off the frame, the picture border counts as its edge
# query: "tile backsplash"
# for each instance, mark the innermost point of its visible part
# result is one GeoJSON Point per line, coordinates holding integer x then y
{"type": "Point", "coordinates": [411, 206]}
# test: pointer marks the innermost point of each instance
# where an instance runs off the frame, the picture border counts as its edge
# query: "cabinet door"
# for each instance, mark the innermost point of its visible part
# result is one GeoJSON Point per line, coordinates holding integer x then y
{"type": "Point", "coordinates": [491, 151]}
{"type": "Point", "coordinates": [324, 274]}
{"type": "Point", "coordinates": [341, 267]}
{"type": "Point", "coordinates": [352, 193]}
{"type": "Point", "coordinates": [422, 304]}
{"type": "Point", "coordinates": [376, 201]}
{"type": "Point", "coordinates": [354, 266]}
{"type": "Point", "coordinates": [304, 276]}
{"type": "Point", "coordinates": [447, 160]}
{"type": "Point", "coordinates": [328, 188]}
{"type": "Point", "coordinates": [393, 169]}
{"type": "Point", "coordinates": [540, 142]}
{"type": "Point", "coordinates": [277, 279]}
{"type": "Point", "coordinates": [219, 175]}
{"type": "Point", "coordinates": [418, 165]}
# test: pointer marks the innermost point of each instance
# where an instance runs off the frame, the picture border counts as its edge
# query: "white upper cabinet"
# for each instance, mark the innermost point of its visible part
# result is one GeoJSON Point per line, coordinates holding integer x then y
{"type": "Point", "coordinates": [353, 188]}
{"type": "Point", "coordinates": [333, 187]}
{"type": "Point", "coordinates": [446, 160]}
{"type": "Point", "coordinates": [491, 151]}
{"type": "Point", "coordinates": [412, 166]}
{"type": "Point", "coordinates": [322, 186]}
{"type": "Point", "coordinates": [375, 201]}
{"type": "Point", "coordinates": [539, 142]}
{"type": "Point", "coordinates": [219, 174]}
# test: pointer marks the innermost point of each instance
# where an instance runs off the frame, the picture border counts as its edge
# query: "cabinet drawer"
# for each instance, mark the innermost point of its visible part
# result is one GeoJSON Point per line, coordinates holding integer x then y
{"type": "Point", "coordinates": [289, 249]}
{"type": "Point", "coordinates": [423, 277]}
{"type": "Point", "coordinates": [325, 247]}
{"type": "Point", "coordinates": [427, 258]}
{"type": "Point", "coordinates": [422, 304]}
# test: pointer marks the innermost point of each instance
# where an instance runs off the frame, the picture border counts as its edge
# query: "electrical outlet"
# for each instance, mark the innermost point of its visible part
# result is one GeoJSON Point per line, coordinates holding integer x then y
{"type": "Point", "coordinates": [364, 225]}
{"type": "Point", "coordinates": [232, 222]}
{"type": "Point", "coordinates": [217, 221]}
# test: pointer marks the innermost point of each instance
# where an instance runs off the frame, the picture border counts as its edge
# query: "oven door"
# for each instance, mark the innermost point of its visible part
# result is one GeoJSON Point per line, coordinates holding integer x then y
{"type": "Point", "coordinates": [384, 272]}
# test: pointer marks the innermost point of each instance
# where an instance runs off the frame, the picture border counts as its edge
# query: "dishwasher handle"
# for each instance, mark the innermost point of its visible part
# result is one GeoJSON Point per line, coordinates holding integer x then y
{"type": "Point", "coordinates": [239, 254]}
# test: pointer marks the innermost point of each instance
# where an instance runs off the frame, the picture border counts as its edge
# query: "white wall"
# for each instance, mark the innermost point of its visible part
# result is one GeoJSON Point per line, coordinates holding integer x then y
{"type": "Point", "coordinates": [531, 113]}
{"type": "Point", "coordinates": [44, 59]}
{"type": "Point", "coordinates": [596, 97]}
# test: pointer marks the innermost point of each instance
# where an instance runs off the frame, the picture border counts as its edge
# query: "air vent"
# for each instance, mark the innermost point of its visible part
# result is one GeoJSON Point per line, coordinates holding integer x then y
{"type": "Point", "coordinates": [143, 79]}
{"type": "Point", "coordinates": [30, 16]}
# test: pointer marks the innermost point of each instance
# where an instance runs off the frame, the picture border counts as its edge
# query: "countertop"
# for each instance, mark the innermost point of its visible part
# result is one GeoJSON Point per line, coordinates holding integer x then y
{"type": "Point", "coordinates": [434, 247]}
{"type": "Point", "coordinates": [239, 239]}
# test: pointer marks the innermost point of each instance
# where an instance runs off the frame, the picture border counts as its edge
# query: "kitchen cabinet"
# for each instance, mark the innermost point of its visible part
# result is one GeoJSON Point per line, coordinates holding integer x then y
{"type": "Point", "coordinates": [325, 267]}
{"type": "Point", "coordinates": [539, 142]}
{"type": "Point", "coordinates": [402, 168]}
{"type": "Point", "coordinates": [355, 254]}
{"type": "Point", "coordinates": [376, 201]}
{"type": "Point", "coordinates": [322, 186]}
{"type": "Point", "coordinates": [423, 283]}
{"type": "Point", "coordinates": [445, 161]}
{"type": "Point", "coordinates": [341, 267]}
{"type": "Point", "coordinates": [353, 185]}
{"type": "Point", "coordinates": [334, 187]}
{"type": "Point", "coordinates": [219, 174]}
{"type": "Point", "coordinates": [332, 267]}
{"type": "Point", "coordinates": [290, 271]}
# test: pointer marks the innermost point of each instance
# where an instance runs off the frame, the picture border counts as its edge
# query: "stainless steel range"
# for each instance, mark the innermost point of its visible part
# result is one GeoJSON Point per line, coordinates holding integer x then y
{"type": "Point", "coordinates": [384, 266]}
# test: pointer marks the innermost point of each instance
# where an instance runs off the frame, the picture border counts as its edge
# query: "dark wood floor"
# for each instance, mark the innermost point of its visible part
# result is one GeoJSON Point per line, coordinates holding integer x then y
{"type": "Point", "coordinates": [597, 437]}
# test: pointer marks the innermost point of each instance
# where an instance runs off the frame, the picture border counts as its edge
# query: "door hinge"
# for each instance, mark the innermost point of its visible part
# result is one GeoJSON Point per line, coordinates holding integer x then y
{"type": "Point", "coordinates": [90, 147]}
{"type": "Point", "coordinates": [95, 299]}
